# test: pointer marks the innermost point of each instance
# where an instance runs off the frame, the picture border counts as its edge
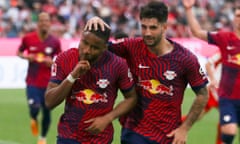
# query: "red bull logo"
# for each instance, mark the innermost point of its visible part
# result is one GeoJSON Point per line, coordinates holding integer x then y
{"type": "Point", "coordinates": [234, 59]}
{"type": "Point", "coordinates": [88, 96]}
{"type": "Point", "coordinates": [40, 57]}
{"type": "Point", "coordinates": [155, 87]}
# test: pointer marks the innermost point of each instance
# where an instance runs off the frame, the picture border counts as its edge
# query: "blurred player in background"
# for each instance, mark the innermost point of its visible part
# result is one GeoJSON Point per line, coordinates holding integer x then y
{"type": "Point", "coordinates": [213, 69]}
{"type": "Point", "coordinates": [39, 48]}
{"type": "Point", "coordinates": [228, 91]}
{"type": "Point", "coordinates": [88, 79]}
{"type": "Point", "coordinates": [161, 69]}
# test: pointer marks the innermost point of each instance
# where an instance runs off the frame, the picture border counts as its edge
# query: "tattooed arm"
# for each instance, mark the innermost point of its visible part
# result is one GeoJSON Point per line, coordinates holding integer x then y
{"type": "Point", "coordinates": [197, 107]}
{"type": "Point", "coordinates": [180, 134]}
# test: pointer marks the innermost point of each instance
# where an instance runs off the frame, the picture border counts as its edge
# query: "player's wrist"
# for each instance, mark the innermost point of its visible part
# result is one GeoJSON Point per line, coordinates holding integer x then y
{"type": "Point", "coordinates": [70, 78]}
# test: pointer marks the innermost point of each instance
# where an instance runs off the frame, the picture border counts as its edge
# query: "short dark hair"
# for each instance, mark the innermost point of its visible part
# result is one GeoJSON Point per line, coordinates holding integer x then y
{"type": "Point", "coordinates": [120, 34]}
{"type": "Point", "coordinates": [237, 7]}
{"type": "Point", "coordinates": [155, 9]}
{"type": "Point", "coordinates": [101, 34]}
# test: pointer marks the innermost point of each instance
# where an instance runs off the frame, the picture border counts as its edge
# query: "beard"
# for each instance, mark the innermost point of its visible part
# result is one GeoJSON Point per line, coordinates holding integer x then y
{"type": "Point", "coordinates": [152, 41]}
{"type": "Point", "coordinates": [43, 32]}
{"type": "Point", "coordinates": [89, 58]}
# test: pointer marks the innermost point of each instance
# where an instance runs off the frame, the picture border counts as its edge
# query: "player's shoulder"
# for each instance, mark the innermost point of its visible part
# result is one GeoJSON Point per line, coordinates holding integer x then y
{"type": "Point", "coordinates": [182, 53]}
{"type": "Point", "coordinates": [71, 51]}
{"type": "Point", "coordinates": [54, 38]}
{"type": "Point", "coordinates": [113, 58]}
{"type": "Point", "coordinates": [30, 35]}
{"type": "Point", "coordinates": [68, 53]}
{"type": "Point", "coordinates": [221, 33]}
{"type": "Point", "coordinates": [138, 40]}
{"type": "Point", "coordinates": [180, 49]}
{"type": "Point", "coordinates": [120, 40]}
{"type": "Point", "coordinates": [128, 40]}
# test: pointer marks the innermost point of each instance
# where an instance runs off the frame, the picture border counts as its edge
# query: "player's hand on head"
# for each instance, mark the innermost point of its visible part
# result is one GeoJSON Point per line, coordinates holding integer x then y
{"type": "Point", "coordinates": [94, 22]}
{"type": "Point", "coordinates": [188, 3]}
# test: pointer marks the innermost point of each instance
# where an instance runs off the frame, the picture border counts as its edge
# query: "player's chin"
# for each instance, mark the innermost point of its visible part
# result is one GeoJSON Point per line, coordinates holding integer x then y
{"type": "Point", "coordinates": [89, 58]}
{"type": "Point", "coordinates": [149, 42]}
{"type": "Point", "coordinates": [45, 29]}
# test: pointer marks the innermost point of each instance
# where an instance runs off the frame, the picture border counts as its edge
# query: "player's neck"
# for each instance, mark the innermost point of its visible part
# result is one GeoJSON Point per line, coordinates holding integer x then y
{"type": "Point", "coordinates": [43, 35]}
{"type": "Point", "coordinates": [163, 48]}
{"type": "Point", "coordinates": [237, 32]}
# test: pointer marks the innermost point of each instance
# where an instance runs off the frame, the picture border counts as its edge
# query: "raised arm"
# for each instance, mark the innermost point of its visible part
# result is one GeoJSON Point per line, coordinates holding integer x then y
{"type": "Point", "coordinates": [195, 27]}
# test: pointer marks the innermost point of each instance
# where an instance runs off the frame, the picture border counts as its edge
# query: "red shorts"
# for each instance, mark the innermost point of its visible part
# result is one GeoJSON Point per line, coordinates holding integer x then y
{"type": "Point", "coordinates": [212, 102]}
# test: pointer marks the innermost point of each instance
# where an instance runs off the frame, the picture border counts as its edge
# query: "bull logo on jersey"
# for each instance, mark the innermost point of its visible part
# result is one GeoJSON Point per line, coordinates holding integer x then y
{"type": "Point", "coordinates": [88, 96]}
{"type": "Point", "coordinates": [40, 57]}
{"type": "Point", "coordinates": [103, 83]}
{"type": "Point", "coordinates": [234, 59]}
{"type": "Point", "coordinates": [155, 87]}
{"type": "Point", "coordinates": [170, 75]}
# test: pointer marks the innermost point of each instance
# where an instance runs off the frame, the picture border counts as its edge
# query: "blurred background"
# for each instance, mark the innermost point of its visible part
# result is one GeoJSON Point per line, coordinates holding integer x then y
{"type": "Point", "coordinates": [18, 17]}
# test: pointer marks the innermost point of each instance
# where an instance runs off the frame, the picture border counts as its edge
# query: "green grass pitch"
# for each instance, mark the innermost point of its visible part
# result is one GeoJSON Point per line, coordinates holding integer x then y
{"type": "Point", "coordinates": [15, 129]}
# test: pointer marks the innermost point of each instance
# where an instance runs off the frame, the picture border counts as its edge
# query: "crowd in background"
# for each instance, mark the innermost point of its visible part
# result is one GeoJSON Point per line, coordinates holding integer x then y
{"type": "Point", "coordinates": [18, 17]}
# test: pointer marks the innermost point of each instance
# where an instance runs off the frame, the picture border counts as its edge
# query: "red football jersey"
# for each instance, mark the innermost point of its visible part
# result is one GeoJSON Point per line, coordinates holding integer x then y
{"type": "Point", "coordinates": [160, 84]}
{"type": "Point", "coordinates": [92, 95]}
{"type": "Point", "coordinates": [229, 45]}
{"type": "Point", "coordinates": [38, 73]}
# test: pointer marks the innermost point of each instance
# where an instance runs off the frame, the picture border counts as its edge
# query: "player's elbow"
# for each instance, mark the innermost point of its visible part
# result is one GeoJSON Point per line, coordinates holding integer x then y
{"type": "Point", "coordinates": [48, 104]}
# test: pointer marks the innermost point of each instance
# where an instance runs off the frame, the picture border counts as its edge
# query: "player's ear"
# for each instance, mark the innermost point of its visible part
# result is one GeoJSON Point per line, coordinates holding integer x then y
{"type": "Point", "coordinates": [106, 46]}
{"type": "Point", "coordinates": [164, 26]}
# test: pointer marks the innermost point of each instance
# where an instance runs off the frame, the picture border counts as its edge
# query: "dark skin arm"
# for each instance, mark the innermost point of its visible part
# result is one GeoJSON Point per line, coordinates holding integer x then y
{"type": "Point", "coordinates": [56, 93]}
{"type": "Point", "coordinates": [98, 124]}
{"type": "Point", "coordinates": [180, 134]}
